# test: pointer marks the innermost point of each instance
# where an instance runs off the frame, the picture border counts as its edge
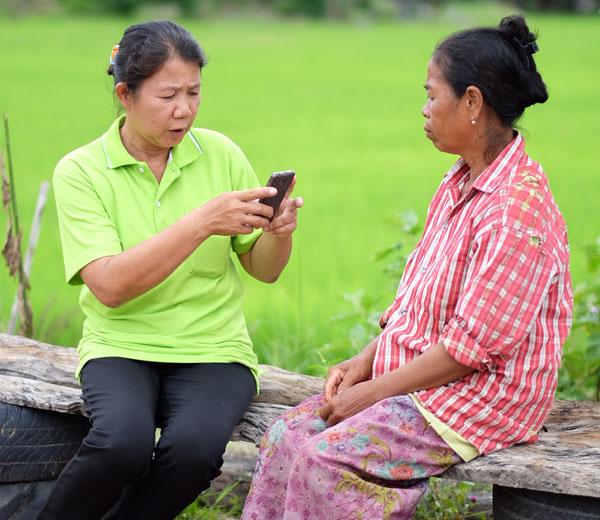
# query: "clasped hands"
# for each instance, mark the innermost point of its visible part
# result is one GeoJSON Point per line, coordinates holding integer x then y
{"type": "Point", "coordinates": [349, 389]}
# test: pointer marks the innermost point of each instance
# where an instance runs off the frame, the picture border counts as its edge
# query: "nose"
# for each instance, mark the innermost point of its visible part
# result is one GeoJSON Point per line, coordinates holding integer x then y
{"type": "Point", "coordinates": [182, 110]}
{"type": "Point", "coordinates": [425, 110]}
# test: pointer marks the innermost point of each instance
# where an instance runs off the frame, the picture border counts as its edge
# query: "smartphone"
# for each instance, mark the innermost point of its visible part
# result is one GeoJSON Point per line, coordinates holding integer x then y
{"type": "Point", "coordinates": [281, 181]}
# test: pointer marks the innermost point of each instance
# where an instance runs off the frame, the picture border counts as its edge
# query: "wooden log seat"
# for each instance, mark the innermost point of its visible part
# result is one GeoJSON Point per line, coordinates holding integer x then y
{"type": "Point", "coordinates": [557, 477]}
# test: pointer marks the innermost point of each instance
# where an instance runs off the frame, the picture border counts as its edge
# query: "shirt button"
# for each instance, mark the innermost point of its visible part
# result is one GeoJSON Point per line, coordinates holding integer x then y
{"type": "Point", "coordinates": [445, 224]}
{"type": "Point", "coordinates": [141, 169]}
{"type": "Point", "coordinates": [158, 204]}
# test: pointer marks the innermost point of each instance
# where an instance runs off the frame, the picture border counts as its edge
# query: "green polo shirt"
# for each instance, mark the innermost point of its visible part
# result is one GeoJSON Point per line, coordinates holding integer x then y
{"type": "Point", "coordinates": [108, 202]}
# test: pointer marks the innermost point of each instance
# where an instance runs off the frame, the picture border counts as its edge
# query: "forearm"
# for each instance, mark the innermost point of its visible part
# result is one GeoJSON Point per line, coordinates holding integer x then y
{"type": "Point", "coordinates": [370, 350]}
{"type": "Point", "coordinates": [120, 278]}
{"type": "Point", "coordinates": [431, 369]}
{"type": "Point", "coordinates": [366, 356]}
{"type": "Point", "coordinates": [268, 257]}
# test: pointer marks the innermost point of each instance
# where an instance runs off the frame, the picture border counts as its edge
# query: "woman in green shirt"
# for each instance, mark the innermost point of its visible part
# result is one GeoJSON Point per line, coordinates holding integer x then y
{"type": "Point", "coordinates": [149, 215]}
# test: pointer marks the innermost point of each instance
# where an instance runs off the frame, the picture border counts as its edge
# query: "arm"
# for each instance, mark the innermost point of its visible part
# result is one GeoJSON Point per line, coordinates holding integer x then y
{"type": "Point", "coordinates": [270, 253]}
{"type": "Point", "coordinates": [267, 258]}
{"type": "Point", "coordinates": [431, 369]}
{"type": "Point", "coordinates": [506, 284]}
{"type": "Point", "coordinates": [115, 280]}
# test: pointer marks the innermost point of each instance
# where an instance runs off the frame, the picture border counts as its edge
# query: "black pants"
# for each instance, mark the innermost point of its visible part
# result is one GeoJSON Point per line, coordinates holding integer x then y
{"type": "Point", "coordinates": [118, 468]}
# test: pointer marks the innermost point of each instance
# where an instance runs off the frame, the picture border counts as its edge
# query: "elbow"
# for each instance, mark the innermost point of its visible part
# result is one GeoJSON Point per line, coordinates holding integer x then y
{"type": "Point", "coordinates": [108, 297]}
{"type": "Point", "coordinates": [110, 301]}
{"type": "Point", "coordinates": [262, 275]}
{"type": "Point", "coordinates": [108, 289]}
{"type": "Point", "coordinates": [271, 279]}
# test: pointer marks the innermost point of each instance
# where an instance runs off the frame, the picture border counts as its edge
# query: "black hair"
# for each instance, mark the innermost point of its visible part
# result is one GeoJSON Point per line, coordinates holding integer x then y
{"type": "Point", "coordinates": [499, 61]}
{"type": "Point", "coordinates": [146, 47]}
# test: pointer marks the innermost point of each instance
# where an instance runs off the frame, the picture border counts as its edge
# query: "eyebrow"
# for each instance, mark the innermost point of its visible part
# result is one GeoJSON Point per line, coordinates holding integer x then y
{"type": "Point", "coordinates": [176, 87]}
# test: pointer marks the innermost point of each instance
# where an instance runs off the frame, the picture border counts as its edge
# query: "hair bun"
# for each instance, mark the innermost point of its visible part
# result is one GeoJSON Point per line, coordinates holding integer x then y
{"type": "Point", "coordinates": [515, 30]}
{"type": "Point", "coordinates": [514, 26]}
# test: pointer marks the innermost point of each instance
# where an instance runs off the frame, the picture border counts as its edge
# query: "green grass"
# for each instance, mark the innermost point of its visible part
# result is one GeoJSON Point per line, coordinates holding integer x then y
{"type": "Point", "coordinates": [340, 104]}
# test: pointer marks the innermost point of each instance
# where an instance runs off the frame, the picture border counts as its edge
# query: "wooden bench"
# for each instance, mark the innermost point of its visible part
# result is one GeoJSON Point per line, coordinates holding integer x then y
{"type": "Point", "coordinates": [562, 468]}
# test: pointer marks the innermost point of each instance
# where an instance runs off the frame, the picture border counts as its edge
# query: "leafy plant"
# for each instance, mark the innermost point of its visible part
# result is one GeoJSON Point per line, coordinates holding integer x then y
{"type": "Point", "coordinates": [360, 321]}
{"type": "Point", "coordinates": [408, 224]}
{"type": "Point", "coordinates": [450, 501]}
{"type": "Point", "coordinates": [360, 316]}
{"type": "Point", "coordinates": [12, 246]}
{"type": "Point", "coordinates": [213, 505]}
{"type": "Point", "coordinates": [579, 375]}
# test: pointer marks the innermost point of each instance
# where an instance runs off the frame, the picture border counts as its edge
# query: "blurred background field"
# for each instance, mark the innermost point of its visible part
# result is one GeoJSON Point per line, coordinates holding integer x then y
{"type": "Point", "coordinates": [338, 101]}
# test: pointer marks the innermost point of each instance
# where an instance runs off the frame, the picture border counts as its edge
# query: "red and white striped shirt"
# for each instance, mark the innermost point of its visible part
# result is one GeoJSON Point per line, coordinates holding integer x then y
{"type": "Point", "coordinates": [490, 280]}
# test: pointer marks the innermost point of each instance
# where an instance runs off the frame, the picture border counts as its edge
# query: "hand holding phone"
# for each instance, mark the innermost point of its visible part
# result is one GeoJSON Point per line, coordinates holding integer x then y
{"type": "Point", "coordinates": [281, 181]}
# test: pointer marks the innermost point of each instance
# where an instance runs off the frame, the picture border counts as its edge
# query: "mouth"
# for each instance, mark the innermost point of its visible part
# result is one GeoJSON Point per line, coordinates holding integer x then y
{"type": "Point", "coordinates": [178, 131]}
{"type": "Point", "coordinates": [427, 130]}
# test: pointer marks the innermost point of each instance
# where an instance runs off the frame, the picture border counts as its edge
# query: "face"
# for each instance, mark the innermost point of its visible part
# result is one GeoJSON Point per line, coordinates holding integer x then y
{"type": "Point", "coordinates": [447, 118]}
{"type": "Point", "coordinates": [164, 106]}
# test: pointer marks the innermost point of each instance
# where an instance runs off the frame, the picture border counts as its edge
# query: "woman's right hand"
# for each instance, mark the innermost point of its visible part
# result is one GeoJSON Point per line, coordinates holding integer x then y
{"type": "Point", "coordinates": [348, 373]}
{"type": "Point", "coordinates": [234, 213]}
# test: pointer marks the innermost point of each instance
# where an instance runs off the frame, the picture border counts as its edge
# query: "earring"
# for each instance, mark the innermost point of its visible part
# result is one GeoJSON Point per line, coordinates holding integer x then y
{"type": "Point", "coordinates": [473, 121]}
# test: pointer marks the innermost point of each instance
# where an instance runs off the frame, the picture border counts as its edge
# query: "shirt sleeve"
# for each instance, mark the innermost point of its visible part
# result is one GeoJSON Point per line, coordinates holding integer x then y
{"type": "Point", "coordinates": [507, 281]}
{"type": "Point", "coordinates": [243, 178]}
{"type": "Point", "coordinates": [86, 230]}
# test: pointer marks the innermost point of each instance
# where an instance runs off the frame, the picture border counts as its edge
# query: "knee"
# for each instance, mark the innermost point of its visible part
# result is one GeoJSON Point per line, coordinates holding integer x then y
{"type": "Point", "coordinates": [302, 422]}
{"type": "Point", "coordinates": [277, 433]}
{"type": "Point", "coordinates": [313, 452]}
{"type": "Point", "coordinates": [123, 451]}
{"type": "Point", "coordinates": [198, 456]}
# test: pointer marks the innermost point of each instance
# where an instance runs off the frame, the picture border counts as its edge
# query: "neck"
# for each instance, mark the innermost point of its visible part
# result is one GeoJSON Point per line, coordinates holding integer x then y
{"type": "Point", "coordinates": [140, 149]}
{"type": "Point", "coordinates": [484, 151]}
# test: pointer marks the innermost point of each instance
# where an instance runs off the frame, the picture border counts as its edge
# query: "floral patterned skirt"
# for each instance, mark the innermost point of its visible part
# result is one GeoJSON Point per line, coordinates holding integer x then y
{"type": "Point", "coordinates": [373, 465]}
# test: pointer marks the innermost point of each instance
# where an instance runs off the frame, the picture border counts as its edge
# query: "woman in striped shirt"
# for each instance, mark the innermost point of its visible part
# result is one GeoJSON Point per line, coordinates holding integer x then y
{"type": "Point", "coordinates": [467, 359]}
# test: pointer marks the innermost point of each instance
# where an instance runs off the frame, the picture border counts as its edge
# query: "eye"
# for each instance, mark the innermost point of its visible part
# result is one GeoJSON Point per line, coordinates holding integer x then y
{"type": "Point", "coordinates": [170, 96]}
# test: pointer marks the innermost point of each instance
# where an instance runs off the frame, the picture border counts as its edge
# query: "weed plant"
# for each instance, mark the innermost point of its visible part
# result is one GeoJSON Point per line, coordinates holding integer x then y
{"type": "Point", "coordinates": [580, 370]}
{"type": "Point", "coordinates": [212, 505]}
{"type": "Point", "coordinates": [446, 500]}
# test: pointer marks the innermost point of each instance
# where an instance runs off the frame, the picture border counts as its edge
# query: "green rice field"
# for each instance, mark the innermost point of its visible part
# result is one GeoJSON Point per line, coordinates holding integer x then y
{"type": "Point", "coordinates": [339, 103]}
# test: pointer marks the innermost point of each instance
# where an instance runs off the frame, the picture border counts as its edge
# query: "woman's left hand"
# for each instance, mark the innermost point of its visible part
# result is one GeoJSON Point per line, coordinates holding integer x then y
{"type": "Point", "coordinates": [286, 219]}
{"type": "Point", "coordinates": [349, 402]}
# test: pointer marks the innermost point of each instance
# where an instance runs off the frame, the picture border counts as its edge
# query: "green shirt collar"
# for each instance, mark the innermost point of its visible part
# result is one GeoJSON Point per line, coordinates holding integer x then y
{"type": "Point", "coordinates": [187, 151]}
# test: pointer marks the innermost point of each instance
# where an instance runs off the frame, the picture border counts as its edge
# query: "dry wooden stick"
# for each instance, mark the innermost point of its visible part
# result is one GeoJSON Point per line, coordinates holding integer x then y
{"type": "Point", "coordinates": [34, 236]}
{"type": "Point", "coordinates": [12, 248]}
{"type": "Point", "coordinates": [11, 183]}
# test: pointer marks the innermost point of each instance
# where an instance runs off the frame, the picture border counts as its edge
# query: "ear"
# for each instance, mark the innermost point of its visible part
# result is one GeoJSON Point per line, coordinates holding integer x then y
{"type": "Point", "coordinates": [474, 101]}
{"type": "Point", "coordinates": [124, 94]}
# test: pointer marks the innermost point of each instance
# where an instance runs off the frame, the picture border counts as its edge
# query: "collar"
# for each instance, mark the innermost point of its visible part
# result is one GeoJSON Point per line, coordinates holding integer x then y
{"type": "Point", "coordinates": [490, 178]}
{"type": "Point", "coordinates": [187, 151]}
